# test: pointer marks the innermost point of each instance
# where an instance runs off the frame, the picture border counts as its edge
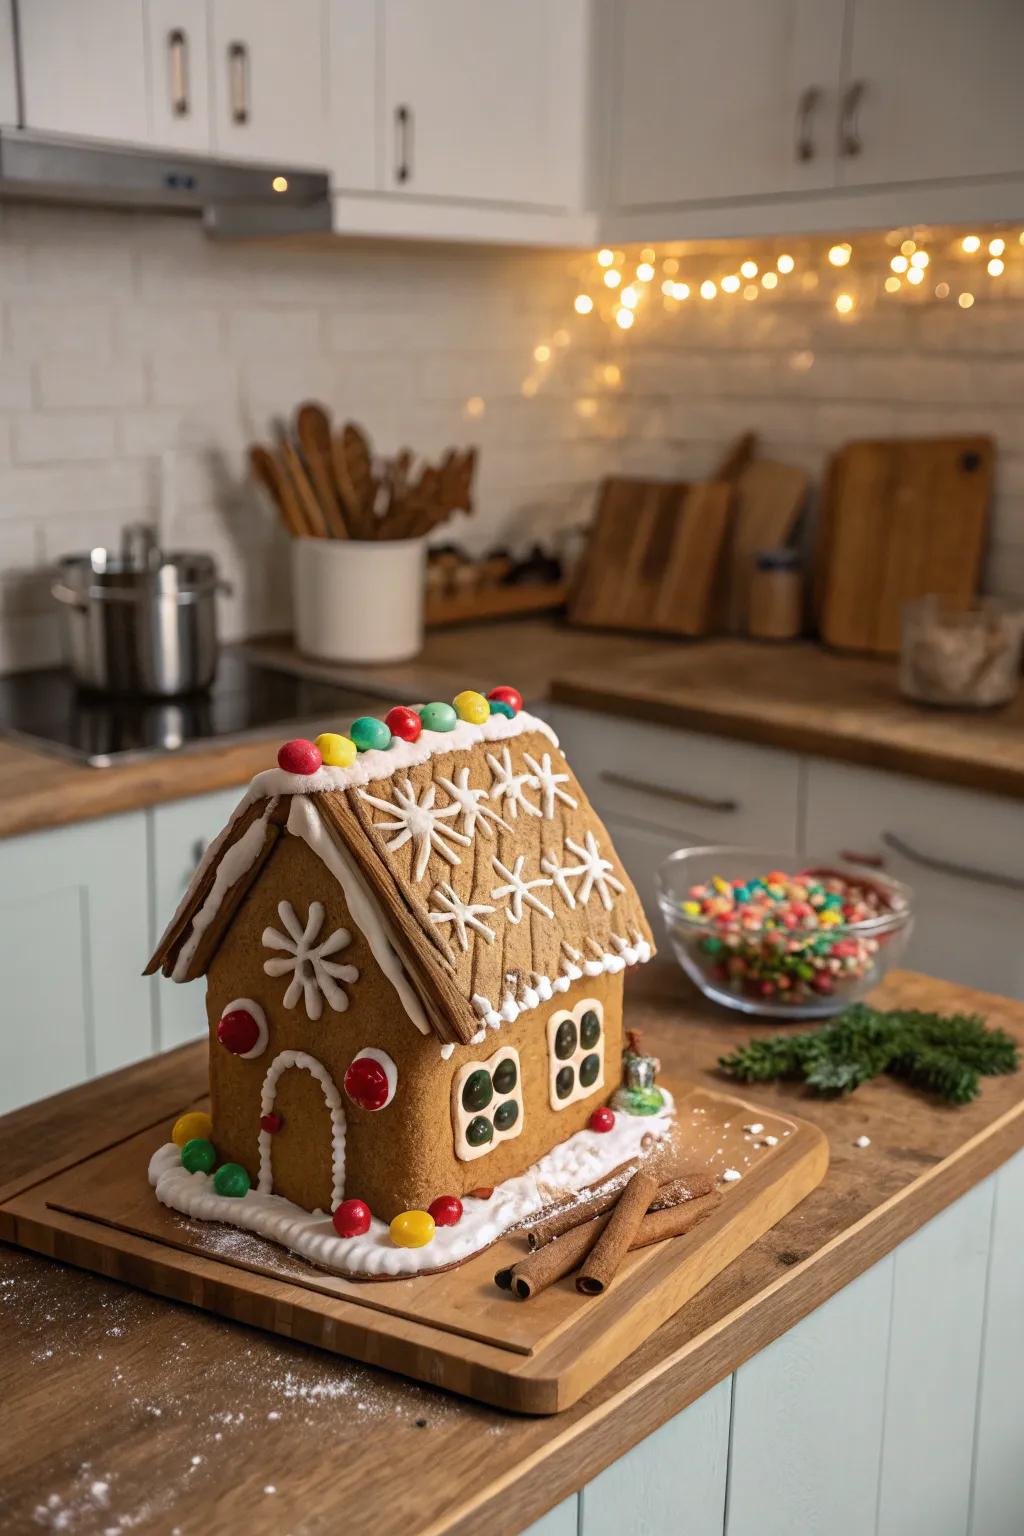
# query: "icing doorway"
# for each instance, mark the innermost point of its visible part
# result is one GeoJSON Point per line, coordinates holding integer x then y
{"type": "Point", "coordinates": [302, 1133]}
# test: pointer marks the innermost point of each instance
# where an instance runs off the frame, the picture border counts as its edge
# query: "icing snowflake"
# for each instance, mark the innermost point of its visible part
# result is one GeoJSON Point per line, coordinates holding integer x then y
{"type": "Point", "coordinates": [509, 786]}
{"type": "Point", "coordinates": [547, 781]}
{"type": "Point", "coordinates": [314, 976]}
{"type": "Point", "coordinates": [473, 804]}
{"type": "Point", "coordinates": [421, 821]}
{"type": "Point", "coordinates": [593, 873]}
{"type": "Point", "coordinates": [519, 890]}
{"type": "Point", "coordinates": [462, 915]}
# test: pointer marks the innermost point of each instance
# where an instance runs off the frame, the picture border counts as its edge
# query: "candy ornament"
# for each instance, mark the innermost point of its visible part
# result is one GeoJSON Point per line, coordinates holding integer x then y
{"type": "Point", "coordinates": [438, 717]}
{"type": "Point", "coordinates": [446, 1210]}
{"type": "Point", "coordinates": [403, 722]}
{"type": "Point", "coordinates": [299, 756]}
{"type": "Point", "coordinates": [602, 1119]}
{"type": "Point", "coordinates": [370, 735]}
{"type": "Point", "coordinates": [336, 751]}
{"type": "Point", "coordinates": [352, 1218]}
{"type": "Point", "coordinates": [198, 1155]}
{"type": "Point", "coordinates": [242, 1030]}
{"type": "Point", "coordinates": [193, 1125]}
{"type": "Point", "coordinates": [371, 1079]}
{"type": "Point", "coordinates": [472, 706]}
{"type": "Point", "coordinates": [412, 1229]}
{"type": "Point", "coordinates": [232, 1180]}
{"type": "Point", "coordinates": [271, 1124]}
{"type": "Point", "coordinates": [507, 695]}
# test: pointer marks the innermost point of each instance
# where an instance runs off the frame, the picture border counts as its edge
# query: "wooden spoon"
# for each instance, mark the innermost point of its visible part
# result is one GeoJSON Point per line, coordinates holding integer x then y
{"type": "Point", "coordinates": [311, 509]}
{"type": "Point", "coordinates": [313, 429]}
{"type": "Point", "coordinates": [266, 471]}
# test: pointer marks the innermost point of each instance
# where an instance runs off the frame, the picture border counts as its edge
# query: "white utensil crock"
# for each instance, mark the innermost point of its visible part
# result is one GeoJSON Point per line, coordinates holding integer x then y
{"type": "Point", "coordinates": [357, 600]}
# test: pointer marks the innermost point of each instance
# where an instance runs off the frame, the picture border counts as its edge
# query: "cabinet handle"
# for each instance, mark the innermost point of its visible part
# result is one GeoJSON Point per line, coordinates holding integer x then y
{"type": "Point", "coordinates": [805, 110]}
{"type": "Point", "coordinates": [403, 144]}
{"type": "Point", "coordinates": [850, 142]}
{"type": "Point", "coordinates": [238, 81]}
{"type": "Point", "coordinates": [947, 867]}
{"type": "Point", "coordinates": [681, 796]}
{"type": "Point", "coordinates": [177, 58]}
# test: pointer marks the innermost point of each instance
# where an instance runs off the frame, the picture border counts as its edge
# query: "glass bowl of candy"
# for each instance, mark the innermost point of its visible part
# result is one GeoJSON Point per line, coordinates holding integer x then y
{"type": "Point", "coordinates": [765, 933]}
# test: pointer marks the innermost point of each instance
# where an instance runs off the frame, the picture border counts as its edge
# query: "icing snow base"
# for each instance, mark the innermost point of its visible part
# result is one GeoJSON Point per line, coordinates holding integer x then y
{"type": "Point", "coordinates": [582, 1160]}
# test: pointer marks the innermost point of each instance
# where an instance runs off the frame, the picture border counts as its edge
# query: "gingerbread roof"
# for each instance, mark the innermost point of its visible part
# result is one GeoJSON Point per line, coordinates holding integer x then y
{"type": "Point", "coordinates": [471, 859]}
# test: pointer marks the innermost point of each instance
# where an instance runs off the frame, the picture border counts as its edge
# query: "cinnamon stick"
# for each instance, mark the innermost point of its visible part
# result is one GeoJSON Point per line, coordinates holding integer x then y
{"type": "Point", "coordinates": [556, 1259]}
{"type": "Point", "coordinates": [602, 1262]}
{"type": "Point", "coordinates": [676, 1219]}
{"type": "Point", "coordinates": [688, 1186]}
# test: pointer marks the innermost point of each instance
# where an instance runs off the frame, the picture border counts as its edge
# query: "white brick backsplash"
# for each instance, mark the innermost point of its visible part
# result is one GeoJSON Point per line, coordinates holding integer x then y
{"type": "Point", "coordinates": [186, 379]}
{"type": "Point", "coordinates": [152, 330]}
{"type": "Point", "coordinates": [72, 381]}
{"type": "Point", "coordinates": [63, 436]}
{"type": "Point", "coordinates": [38, 330]}
{"type": "Point", "coordinates": [272, 331]}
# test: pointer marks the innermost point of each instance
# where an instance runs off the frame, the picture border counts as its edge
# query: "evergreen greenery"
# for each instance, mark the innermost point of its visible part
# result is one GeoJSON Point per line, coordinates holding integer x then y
{"type": "Point", "coordinates": [942, 1054]}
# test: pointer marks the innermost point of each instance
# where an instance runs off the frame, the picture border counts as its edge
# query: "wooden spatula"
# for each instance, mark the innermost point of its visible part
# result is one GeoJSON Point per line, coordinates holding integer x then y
{"type": "Point", "coordinates": [266, 471]}
{"type": "Point", "coordinates": [313, 430]}
{"type": "Point", "coordinates": [311, 508]}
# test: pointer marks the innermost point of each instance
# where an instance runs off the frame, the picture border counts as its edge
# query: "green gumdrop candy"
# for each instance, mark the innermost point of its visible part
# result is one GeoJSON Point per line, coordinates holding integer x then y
{"type": "Point", "coordinates": [370, 735]}
{"type": "Point", "coordinates": [231, 1179]}
{"type": "Point", "coordinates": [438, 717]}
{"type": "Point", "coordinates": [198, 1155]}
{"type": "Point", "coordinates": [499, 707]}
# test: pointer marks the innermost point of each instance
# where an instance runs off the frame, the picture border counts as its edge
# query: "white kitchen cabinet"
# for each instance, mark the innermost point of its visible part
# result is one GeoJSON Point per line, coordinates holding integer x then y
{"type": "Point", "coordinates": [84, 68]}
{"type": "Point", "coordinates": [959, 851]}
{"type": "Point", "coordinates": [932, 90]}
{"type": "Point", "coordinates": [8, 66]}
{"type": "Point", "coordinates": [352, 62]}
{"type": "Point", "coordinates": [717, 101]}
{"type": "Point", "coordinates": [177, 48]}
{"type": "Point", "coordinates": [74, 936]}
{"type": "Point", "coordinates": [269, 87]}
{"type": "Point", "coordinates": [180, 834]}
{"type": "Point", "coordinates": [484, 101]}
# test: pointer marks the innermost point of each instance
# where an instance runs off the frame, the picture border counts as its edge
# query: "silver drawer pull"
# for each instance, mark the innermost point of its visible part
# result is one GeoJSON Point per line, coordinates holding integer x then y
{"type": "Point", "coordinates": [177, 52]}
{"type": "Point", "coordinates": [238, 82]}
{"type": "Point", "coordinates": [681, 796]}
{"type": "Point", "coordinates": [947, 867]}
{"type": "Point", "coordinates": [850, 141]}
{"type": "Point", "coordinates": [806, 107]}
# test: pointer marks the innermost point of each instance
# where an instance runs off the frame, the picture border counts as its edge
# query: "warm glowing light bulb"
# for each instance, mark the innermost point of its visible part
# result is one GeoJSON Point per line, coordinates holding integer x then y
{"type": "Point", "coordinates": [919, 259]}
{"type": "Point", "coordinates": [605, 257]}
{"type": "Point", "coordinates": [630, 298]}
{"type": "Point", "coordinates": [624, 318]}
{"type": "Point", "coordinates": [648, 254]}
{"type": "Point", "coordinates": [749, 268]}
{"type": "Point", "coordinates": [731, 284]}
{"type": "Point", "coordinates": [844, 303]}
{"type": "Point", "coordinates": [965, 300]}
{"type": "Point", "coordinates": [970, 244]}
{"type": "Point", "coordinates": [942, 290]}
{"type": "Point", "coordinates": [612, 375]}
{"type": "Point", "coordinates": [708, 289]}
{"type": "Point", "coordinates": [996, 266]}
{"type": "Point", "coordinates": [280, 183]}
{"type": "Point", "coordinates": [899, 263]}
{"type": "Point", "coordinates": [840, 255]}
{"type": "Point", "coordinates": [542, 353]}
{"type": "Point", "coordinates": [770, 280]}
{"type": "Point", "coordinates": [892, 285]}
{"type": "Point", "coordinates": [680, 291]}
{"type": "Point", "coordinates": [475, 406]}
{"type": "Point", "coordinates": [996, 247]}
{"type": "Point", "coordinates": [612, 278]}
{"type": "Point", "coordinates": [915, 276]}
{"type": "Point", "coordinates": [668, 287]}
{"type": "Point", "coordinates": [751, 291]}
{"type": "Point", "coordinates": [785, 263]}
{"type": "Point", "coordinates": [670, 265]}
{"type": "Point", "coordinates": [645, 271]}
{"type": "Point", "coordinates": [908, 247]}
{"type": "Point", "coordinates": [583, 303]}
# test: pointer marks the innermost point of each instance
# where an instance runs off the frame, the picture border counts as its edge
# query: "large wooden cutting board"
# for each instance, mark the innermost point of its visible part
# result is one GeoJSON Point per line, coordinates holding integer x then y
{"type": "Point", "coordinates": [454, 1329]}
{"type": "Point", "coordinates": [902, 519]}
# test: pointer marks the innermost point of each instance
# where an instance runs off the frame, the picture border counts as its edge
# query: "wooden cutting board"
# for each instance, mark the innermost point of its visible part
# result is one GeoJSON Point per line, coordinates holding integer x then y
{"type": "Point", "coordinates": [768, 501]}
{"type": "Point", "coordinates": [653, 556]}
{"type": "Point", "coordinates": [455, 1329]}
{"type": "Point", "coordinates": [901, 519]}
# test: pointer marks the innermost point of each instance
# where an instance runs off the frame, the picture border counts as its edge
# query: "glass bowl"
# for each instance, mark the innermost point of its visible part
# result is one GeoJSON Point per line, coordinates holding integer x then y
{"type": "Point", "coordinates": [807, 957]}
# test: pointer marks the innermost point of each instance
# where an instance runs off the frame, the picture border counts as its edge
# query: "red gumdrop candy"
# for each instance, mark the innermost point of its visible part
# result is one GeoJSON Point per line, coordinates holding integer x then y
{"type": "Point", "coordinates": [366, 1083]}
{"type": "Point", "coordinates": [238, 1031]}
{"type": "Point", "coordinates": [352, 1218]}
{"type": "Point", "coordinates": [271, 1124]}
{"type": "Point", "coordinates": [404, 722]}
{"type": "Point", "coordinates": [299, 756]}
{"type": "Point", "coordinates": [446, 1210]}
{"type": "Point", "coordinates": [506, 695]}
{"type": "Point", "coordinates": [602, 1119]}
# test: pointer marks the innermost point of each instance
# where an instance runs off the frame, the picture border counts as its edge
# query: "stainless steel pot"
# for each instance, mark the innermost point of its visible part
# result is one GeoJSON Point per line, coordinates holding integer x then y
{"type": "Point", "coordinates": [141, 622]}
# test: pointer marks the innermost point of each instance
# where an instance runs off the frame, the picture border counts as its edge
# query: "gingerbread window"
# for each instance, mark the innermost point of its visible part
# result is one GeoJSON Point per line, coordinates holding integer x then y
{"type": "Point", "coordinates": [575, 1053]}
{"type": "Point", "coordinates": [487, 1103]}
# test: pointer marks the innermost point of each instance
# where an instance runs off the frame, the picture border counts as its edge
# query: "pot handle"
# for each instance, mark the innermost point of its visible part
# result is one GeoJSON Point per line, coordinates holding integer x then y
{"type": "Point", "coordinates": [64, 594]}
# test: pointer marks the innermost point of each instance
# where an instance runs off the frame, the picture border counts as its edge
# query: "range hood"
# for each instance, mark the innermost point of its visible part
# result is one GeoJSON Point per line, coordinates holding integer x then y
{"type": "Point", "coordinates": [232, 197]}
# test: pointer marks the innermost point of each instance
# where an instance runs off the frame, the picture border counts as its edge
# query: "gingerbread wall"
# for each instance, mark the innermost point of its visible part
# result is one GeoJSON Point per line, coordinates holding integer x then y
{"type": "Point", "coordinates": [402, 1156]}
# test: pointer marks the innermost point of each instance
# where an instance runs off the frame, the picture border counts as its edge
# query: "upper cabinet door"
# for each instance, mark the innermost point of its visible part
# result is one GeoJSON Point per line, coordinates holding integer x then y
{"type": "Point", "coordinates": [484, 102]}
{"type": "Point", "coordinates": [84, 68]}
{"type": "Point", "coordinates": [722, 100]}
{"type": "Point", "coordinates": [8, 67]}
{"type": "Point", "coordinates": [932, 90]}
{"type": "Point", "coordinates": [179, 81]}
{"type": "Point", "coordinates": [268, 66]}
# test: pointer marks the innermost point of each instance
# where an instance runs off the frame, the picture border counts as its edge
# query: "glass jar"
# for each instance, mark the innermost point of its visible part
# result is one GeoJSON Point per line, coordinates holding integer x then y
{"type": "Point", "coordinates": [961, 655]}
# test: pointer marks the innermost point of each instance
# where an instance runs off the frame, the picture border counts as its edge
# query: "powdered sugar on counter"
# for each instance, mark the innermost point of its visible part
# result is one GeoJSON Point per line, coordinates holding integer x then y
{"type": "Point", "coordinates": [575, 1164]}
{"type": "Point", "coordinates": [730, 1175]}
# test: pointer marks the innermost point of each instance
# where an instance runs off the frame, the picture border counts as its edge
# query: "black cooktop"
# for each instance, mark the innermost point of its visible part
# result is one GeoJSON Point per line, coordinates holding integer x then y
{"type": "Point", "coordinates": [46, 710]}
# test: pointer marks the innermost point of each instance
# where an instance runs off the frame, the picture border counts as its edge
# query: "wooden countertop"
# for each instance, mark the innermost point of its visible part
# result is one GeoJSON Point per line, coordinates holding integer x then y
{"type": "Point", "coordinates": [125, 1410]}
{"type": "Point", "coordinates": [793, 696]}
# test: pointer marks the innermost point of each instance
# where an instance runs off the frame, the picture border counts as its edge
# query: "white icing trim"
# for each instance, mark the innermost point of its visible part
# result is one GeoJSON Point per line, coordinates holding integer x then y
{"type": "Point", "coordinates": [307, 1063]}
{"type": "Point", "coordinates": [305, 822]}
{"type": "Point", "coordinates": [390, 1072]}
{"type": "Point", "coordinates": [608, 963]}
{"type": "Point", "coordinates": [447, 1050]}
{"type": "Point", "coordinates": [313, 976]}
{"type": "Point", "coordinates": [249, 1006]}
{"type": "Point", "coordinates": [577, 1163]}
{"type": "Point", "coordinates": [237, 861]}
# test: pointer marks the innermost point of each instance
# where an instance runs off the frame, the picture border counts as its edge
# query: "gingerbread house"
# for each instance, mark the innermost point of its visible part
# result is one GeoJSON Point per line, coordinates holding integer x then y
{"type": "Point", "coordinates": [414, 940]}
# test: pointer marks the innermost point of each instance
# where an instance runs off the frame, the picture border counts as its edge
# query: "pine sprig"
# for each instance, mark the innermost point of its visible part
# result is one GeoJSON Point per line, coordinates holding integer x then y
{"type": "Point", "coordinates": [944, 1054]}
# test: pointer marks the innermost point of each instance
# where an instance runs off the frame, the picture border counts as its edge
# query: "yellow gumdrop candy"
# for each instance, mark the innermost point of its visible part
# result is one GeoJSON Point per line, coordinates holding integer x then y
{"type": "Point", "coordinates": [189, 1127]}
{"type": "Point", "coordinates": [412, 1229]}
{"type": "Point", "coordinates": [472, 707]}
{"type": "Point", "coordinates": [336, 751]}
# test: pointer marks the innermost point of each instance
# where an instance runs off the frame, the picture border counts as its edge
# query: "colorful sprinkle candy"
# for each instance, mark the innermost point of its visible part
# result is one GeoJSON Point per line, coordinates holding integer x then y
{"type": "Point", "coordinates": [231, 1179]}
{"type": "Point", "coordinates": [198, 1155]}
{"type": "Point", "coordinates": [472, 706]}
{"type": "Point", "coordinates": [506, 695]}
